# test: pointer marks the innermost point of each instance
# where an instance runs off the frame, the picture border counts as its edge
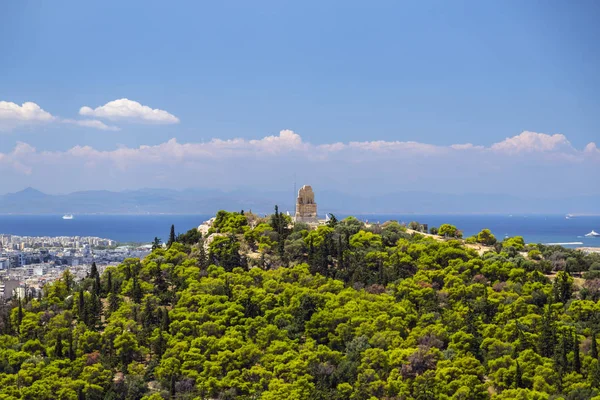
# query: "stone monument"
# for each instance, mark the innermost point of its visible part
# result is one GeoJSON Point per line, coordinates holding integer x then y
{"type": "Point", "coordinates": [306, 208]}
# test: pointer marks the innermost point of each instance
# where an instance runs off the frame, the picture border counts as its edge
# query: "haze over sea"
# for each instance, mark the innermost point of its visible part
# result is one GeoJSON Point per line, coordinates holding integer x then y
{"type": "Point", "coordinates": [143, 228]}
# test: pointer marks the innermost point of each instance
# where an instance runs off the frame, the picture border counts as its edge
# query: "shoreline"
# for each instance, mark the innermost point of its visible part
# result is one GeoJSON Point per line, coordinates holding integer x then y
{"type": "Point", "coordinates": [589, 249]}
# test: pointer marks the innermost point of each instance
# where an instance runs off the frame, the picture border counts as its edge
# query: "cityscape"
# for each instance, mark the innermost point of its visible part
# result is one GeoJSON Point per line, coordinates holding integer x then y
{"type": "Point", "coordinates": [27, 263]}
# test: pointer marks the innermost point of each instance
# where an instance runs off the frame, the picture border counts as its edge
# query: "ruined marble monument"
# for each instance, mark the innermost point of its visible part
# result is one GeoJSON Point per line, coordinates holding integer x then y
{"type": "Point", "coordinates": [306, 208]}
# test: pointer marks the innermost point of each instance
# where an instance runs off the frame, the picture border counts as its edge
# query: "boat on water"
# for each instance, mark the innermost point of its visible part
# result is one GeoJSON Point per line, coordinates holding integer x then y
{"type": "Point", "coordinates": [593, 233]}
{"type": "Point", "coordinates": [68, 216]}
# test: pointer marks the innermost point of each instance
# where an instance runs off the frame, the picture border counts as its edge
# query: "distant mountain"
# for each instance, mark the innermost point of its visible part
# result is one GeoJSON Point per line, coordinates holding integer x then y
{"type": "Point", "coordinates": [200, 201]}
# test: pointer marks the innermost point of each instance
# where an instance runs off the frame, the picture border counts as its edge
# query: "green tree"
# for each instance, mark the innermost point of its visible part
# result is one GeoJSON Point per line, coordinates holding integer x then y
{"type": "Point", "coordinates": [225, 251]}
{"type": "Point", "coordinates": [563, 287]}
{"type": "Point", "coordinates": [518, 376]}
{"type": "Point", "coordinates": [19, 316]}
{"type": "Point", "coordinates": [126, 346]}
{"type": "Point", "coordinates": [171, 236]}
{"type": "Point", "coordinates": [81, 308]}
{"type": "Point", "coordinates": [486, 237]}
{"type": "Point", "coordinates": [332, 221]}
{"type": "Point", "coordinates": [58, 347]}
{"type": "Point", "coordinates": [448, 230]}
{"type": "Point", "coordinates": [136, 290]}
{"type": "Point", "coordinates": [191, 237]}
{"type": "Point", "coordinates": [576, 355]}
{"type": "Point", "coordinates": [547, 338]}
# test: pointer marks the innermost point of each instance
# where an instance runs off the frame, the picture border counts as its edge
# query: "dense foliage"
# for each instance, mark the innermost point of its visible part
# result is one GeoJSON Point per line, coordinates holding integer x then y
{"type": "Point", "coordinates": [262, 308]}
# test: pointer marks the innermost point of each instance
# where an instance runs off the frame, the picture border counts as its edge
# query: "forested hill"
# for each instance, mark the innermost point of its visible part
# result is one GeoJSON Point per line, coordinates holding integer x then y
{"type": "Point", "coordinates": [263, 309]}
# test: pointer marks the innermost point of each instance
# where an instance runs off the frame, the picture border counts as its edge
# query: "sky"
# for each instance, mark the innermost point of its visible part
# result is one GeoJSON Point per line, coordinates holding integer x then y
{"type": "Point", "coordinates": [384, 96]}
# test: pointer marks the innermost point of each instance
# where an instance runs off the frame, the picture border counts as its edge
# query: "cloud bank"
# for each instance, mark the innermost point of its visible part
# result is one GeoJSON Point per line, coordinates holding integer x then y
{"type": "Point", "coordinates": [528, 162]}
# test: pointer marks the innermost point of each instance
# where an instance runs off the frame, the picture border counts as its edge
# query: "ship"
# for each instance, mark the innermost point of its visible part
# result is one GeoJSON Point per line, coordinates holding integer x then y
{"type": "Point", "coordinates": [593, 233]}
{"type": "Point", "coordinates": [68, 216]}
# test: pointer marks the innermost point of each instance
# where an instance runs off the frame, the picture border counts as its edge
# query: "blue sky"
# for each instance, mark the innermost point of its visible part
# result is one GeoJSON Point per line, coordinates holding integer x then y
{"type": "Point", "coordinates": [436, 72]}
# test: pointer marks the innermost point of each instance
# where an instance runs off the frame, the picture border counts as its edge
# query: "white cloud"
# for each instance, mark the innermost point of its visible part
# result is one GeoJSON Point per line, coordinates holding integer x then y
{"type": "Point", "coordinates": [286, 141]}
{"type": "Point", "coordinates": [17, 159]}
{"type": "Point", "coordinates": [273, 159]}
{"type": "Point", "coordinates": [382, 146]}
{"type": "Point", "coordinates": [290, 144]}
{"type": "Point", "coordinates": [466, 146]}
{"type": "Point", "coordinates": [129, 110]}
{"type": "Point", "coordinates": [91, 123]}
{"type": "Point", "coordinates": [528, 142]}
{"type": "Point", "coordinates": [592, 150]}
{"type": "Point", "coordinates": [13, 115]}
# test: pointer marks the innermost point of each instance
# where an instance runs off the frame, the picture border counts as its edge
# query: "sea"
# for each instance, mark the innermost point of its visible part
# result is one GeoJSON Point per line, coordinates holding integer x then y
{"type": "Point", "coordinates": [547, 229]}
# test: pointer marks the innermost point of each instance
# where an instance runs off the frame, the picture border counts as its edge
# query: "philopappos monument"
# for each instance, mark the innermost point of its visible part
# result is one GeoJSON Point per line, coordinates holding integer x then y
{"type": "Point", "coordinates": [306, 208]}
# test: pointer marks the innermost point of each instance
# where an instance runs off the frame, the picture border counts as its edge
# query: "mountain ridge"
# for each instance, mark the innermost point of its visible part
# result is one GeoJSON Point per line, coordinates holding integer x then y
{"type": "Point", "coordinates": [208, 201]}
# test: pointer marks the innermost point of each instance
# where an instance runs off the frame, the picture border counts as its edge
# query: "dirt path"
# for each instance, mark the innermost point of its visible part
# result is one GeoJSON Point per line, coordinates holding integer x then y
{"type": "Point", "coordinates": [479, 248]}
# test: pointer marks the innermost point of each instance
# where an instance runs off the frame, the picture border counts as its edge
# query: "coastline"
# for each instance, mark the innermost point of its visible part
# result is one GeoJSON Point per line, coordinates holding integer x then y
{"type": "Point", "coordinates": [589, 249]}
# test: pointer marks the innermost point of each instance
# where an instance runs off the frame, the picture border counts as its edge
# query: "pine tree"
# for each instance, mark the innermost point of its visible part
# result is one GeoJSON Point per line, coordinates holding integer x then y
{"type": "Point", "coordinates": [148, 313]}
{"type": "Point", "coordinates": [275, 220]}
{"type": "Point", "coordinates": [561, 362]}
{"type": "Point", "coordinates": [172, 386]}
{"type": "Point", "coordinates": [160, 284]}
{"type": "Point", "coordinates": [94, 311]}
{"type": "Point", "coordinates": [202, 257]}
{"type": "Point", "coordinates": [340, 252]}
{"type": "Point", "coordinates": [94, 274]}
{"type": "Point", "coordinates": [71, 350]}
{"type": "Point", "coordinates": [576, 355]}
{"type": "Point", "coordinates": [332, 221]}
{"type": "Point", "coordinates": [113, 302]}
{"type": "Point", "coordinates": [595, 373]}
{"type": "Point", "coordinates": [518, 376]}
{"type": "Point", "coordinates": [156, 243]}
{"type": "Point", "coordinates": [68, 278]}
{"type": "Point", "coordinates": [136, 291]}
{"type": "Point", "coordinates": [165, 320]}
{"type": "Point", "coordinates": [7, 325]}
{"type": "Point", "coordinates": [171, 236]}
{"type": "Point", "coordinates": [19, 316]}
{"type": "Point", "coordinates": [81, 306]}
{"type": "Point", "coordinates": [94, 271]}
{"type": "Point", "coordinates": [109, 281]}
{"type": "Point", "coordinates": [594, 346]}
{"type": "Point", "coordinates": [159, 345]}
{"type": "Point", "coordinates": [58, 347]}
{"type": "Point", "coordinates": [562, 287]}
{"type": "Point", "coordinates": [311, 255]}
{"type": "Point", "coordinates": [547, 338]}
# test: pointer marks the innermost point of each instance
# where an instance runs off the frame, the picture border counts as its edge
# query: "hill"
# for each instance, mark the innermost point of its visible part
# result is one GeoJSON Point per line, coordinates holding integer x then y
{"type": "Point", "coordinates": [259, 308]}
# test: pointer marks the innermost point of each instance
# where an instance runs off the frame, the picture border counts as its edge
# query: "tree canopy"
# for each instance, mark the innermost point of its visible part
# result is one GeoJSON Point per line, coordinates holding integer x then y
{"type": "Point", "coordinates": [264, 308]}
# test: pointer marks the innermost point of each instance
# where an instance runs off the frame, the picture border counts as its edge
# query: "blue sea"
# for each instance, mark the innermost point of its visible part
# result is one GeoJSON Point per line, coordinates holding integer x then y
{"type": "Point", "coordinates": [143, 228]}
